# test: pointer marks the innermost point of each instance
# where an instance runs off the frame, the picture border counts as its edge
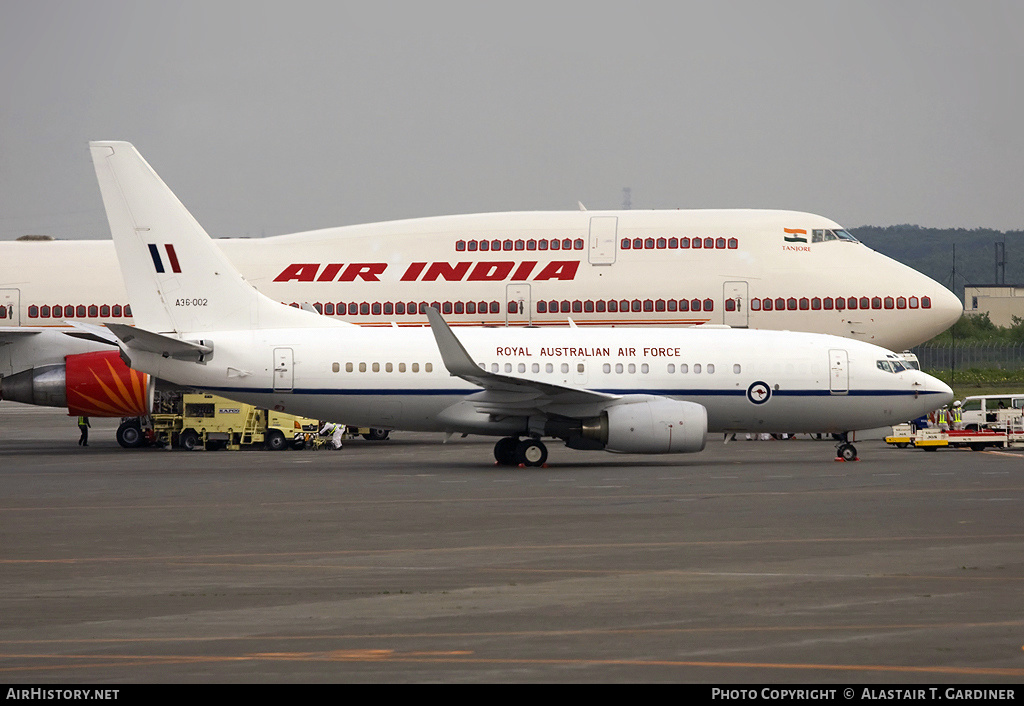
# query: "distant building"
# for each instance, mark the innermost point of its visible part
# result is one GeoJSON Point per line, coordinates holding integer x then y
{"type": "Point", "coordinates": [1001, 301]}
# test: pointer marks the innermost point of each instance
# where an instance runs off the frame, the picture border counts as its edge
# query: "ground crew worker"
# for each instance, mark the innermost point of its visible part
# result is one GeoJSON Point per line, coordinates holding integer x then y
{"type": "Point", "coordinates": [942, 419]}
{"type": "Point", "coordinates": [83, 426]}
{"type": "Point", "coordinates": [335, 431]}
{"type": "Point", "coordinates": [957, 415]}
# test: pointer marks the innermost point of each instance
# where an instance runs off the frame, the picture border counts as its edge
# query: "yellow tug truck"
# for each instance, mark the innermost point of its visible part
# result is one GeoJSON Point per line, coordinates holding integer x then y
{"type": "Point", "coordinates": [192, 420]}
{"type": "Point", "coordinates": [215, 423]}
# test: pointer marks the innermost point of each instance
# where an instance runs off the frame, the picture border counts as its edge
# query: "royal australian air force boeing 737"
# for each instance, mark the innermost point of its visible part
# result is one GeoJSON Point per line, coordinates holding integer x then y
{"type": "Point", "coordinates": [779, 270]}
{"type": "Point", "coordinates": [640, 390]}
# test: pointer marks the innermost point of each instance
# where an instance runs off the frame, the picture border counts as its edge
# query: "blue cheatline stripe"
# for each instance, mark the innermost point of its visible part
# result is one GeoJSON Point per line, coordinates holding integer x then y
{"type": "Point", "coordinates": [157, 262]}
{"type": "Point", "coordinates": [434, 392]}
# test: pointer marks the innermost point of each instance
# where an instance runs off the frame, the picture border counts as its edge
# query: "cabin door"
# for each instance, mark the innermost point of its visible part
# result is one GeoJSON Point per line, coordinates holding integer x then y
{"type": "Point", "coordinates": [10, 307]}
{"type": "Point", "coordinates": [518, 308]}
{"type": "Point", "coordinates": [603, 230]}
{"type": "Point", "coordinates": [283, 369]}
{"type": "Point", "coordinates": [839, 372]}
{"type": "Point", "coordinates": [736, 305]}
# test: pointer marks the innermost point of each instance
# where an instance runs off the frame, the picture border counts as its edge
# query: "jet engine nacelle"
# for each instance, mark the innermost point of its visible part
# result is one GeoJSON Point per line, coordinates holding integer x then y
{"type": "Point", "coordinates": [658, 426]}
{"type": "Point", "coordinates": [95, 384]}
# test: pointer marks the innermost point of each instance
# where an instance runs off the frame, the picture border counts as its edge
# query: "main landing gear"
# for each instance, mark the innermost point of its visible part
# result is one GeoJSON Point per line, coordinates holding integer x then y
{"type": "Point", "coordinates": [512, 451]}
{"type": "Point", "coordinates": [845, 451]}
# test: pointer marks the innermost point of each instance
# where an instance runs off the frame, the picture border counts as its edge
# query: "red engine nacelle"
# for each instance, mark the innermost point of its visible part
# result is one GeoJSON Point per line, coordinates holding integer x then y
{"type": "Point", "coordinates": [101, 385]}
{"type": "Point", "coordinates": [95, 384]}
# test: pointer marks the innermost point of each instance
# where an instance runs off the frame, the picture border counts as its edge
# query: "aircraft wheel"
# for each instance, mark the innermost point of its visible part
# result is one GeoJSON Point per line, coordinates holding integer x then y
{"type": "Point", "coordinates": [188, 440]}
{"type": "Point", "coordinates": [130, 436]}
{"type": "Point", "coordinates": [376, 435]}
{"type": "Point", "coordinates": [848, 452]}
{"type": "Point", "coordinates": [531, 452]}
{"type": "Point", "coordinates": [505, 451]}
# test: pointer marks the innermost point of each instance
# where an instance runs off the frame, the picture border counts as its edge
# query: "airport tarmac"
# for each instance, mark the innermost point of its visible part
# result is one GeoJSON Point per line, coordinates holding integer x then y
{"type": "Point", "coordinates": [415, 561]}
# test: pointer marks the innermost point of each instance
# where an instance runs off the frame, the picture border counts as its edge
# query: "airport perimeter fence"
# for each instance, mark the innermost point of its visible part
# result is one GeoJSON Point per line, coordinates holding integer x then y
{"type": "Point", "coordinates": [962, 356]}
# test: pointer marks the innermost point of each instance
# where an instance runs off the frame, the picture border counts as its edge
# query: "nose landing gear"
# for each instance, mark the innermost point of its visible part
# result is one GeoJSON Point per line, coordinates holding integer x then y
{"type": "Point", "coordinates": [845, 451]}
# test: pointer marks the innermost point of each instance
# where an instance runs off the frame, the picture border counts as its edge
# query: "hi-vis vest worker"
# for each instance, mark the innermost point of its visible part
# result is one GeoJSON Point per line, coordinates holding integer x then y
{"type": "Point", "coordinates": [83, 426]}
{"type": "Point", "coordinates": [335, 431]}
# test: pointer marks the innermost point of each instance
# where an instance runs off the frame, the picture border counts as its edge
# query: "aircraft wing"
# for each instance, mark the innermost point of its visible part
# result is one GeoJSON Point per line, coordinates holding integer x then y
{"type": "Point", "coordinates": [507, 394]}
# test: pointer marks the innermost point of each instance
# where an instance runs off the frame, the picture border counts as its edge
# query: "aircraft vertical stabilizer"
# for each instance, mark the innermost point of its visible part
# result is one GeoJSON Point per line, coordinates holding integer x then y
{"type": "Point", "coordinates": [177, 279]}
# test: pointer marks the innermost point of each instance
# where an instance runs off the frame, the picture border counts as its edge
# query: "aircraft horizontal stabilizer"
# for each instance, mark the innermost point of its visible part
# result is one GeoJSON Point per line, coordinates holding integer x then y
{"type": "Point", "coordinates": [13, 333]}
{"type": "Point", "coordinates": [91, 332]}
{"type": "Point", "coordinates": [142, 340]}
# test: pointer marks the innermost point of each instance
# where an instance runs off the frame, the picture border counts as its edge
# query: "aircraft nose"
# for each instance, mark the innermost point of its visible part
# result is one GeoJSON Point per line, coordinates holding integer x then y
{"type": "Point", "coordinates": [937, 392]}
{"type": "Point", "coordinates": [947, 307]}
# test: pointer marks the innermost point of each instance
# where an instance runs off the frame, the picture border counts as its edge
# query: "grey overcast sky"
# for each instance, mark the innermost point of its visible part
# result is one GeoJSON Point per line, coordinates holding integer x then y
{"type": "Point", "coordinates": [276, 117]}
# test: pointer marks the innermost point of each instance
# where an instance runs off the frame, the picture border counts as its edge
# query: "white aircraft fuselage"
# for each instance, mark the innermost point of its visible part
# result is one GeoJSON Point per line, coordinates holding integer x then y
{"type": "Point", "coordinates": [763, 381]}
{"type": "Point", "coordinates": [762, 269]}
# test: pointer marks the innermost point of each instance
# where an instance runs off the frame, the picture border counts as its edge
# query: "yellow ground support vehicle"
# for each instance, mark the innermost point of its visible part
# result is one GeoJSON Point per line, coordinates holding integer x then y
{"type": "Point", "coordinates": [218, 423]}
{"type": "Point", "coordinates": [933, 438]}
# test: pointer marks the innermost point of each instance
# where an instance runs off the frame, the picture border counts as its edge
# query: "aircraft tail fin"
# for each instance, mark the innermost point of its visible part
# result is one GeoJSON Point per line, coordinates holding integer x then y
{"type": "Point", "coordinates": [178, 280]}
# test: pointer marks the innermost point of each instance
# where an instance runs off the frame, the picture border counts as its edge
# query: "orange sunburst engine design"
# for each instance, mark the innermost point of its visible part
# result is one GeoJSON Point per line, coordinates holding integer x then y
{"type": "Point", "coordinates": [101, 385]}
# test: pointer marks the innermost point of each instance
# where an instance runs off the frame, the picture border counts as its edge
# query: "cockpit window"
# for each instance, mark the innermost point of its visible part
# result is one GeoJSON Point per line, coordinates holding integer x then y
{"type": "Point", "coordinates": [823, 235]}
{"type": "Point", "coordinates": [885, 365]}
{"type": "Point", "coordinates": [891, 366]}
